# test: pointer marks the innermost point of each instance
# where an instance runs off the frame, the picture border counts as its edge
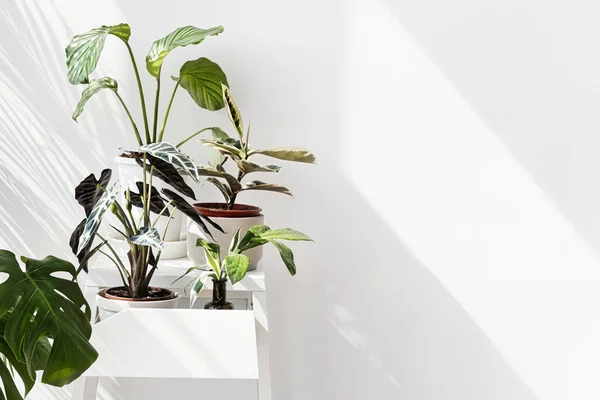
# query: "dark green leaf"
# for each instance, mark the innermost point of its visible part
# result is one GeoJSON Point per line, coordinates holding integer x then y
{"type": "Point", "coordinates": [95, 218]}
{"type": "Point", "coordinates": [167, 173]}
{"type": "Point", "coordinates": [94, 87]}
{"type": "Point", "coordinates": [191, 212]}
{"type": "Point", "coordinates": [43, 306]}
{"type": "Point", "coordinates": [89, 191]}
{"type": "Point", "coordinates": [178, 38]}
{"type": "Point", "coordinates": [84, 51]}
{"type": "Point", "coordinates": [224, 189]}
{"type": "Point", "coordinates": [252, 238]}
{"type": "Point", "coordinates": [202, 79]}
{"type": "Point", "coordinates": [233, 183]}
{"type": "Point", "coordinates": [156, 201]}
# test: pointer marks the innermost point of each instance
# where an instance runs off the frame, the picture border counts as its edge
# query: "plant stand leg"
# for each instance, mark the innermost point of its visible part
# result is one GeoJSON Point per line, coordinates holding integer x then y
{"type": "Point", "coordinates": [85, 388]}
{"type": "Point", "coordinates": [259, 304]}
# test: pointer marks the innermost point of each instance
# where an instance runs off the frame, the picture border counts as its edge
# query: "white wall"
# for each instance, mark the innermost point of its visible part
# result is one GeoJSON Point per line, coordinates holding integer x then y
{"type": "Point", "coordinates": [453, 208]}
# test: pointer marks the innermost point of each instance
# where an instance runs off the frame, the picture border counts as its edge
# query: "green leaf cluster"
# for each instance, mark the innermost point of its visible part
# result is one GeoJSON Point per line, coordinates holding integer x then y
{"type": "Point", "coordinates": [44, 324]}
{"type": "Point", "coordinates": [234, 264]}
{"type": "Point", "coordinates": [239, 152]}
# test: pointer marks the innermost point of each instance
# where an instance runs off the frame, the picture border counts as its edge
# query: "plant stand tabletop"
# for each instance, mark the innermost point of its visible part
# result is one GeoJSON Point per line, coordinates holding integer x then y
{"type": "Point", "coordinates": [185, 331]}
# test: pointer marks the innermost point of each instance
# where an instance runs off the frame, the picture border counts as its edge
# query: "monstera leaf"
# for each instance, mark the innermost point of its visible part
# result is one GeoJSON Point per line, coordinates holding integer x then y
{"type": "Point", "coordinates": [84, 51]}
{"type": "Point", "coordinates": [202, 79]}
{"type": "Point", "coordinates": [169, 153]}
{"type": "Point", "coordinates": [95, 218]}
{"type": "Point", "coordinates": [234, 113]}
{"type": "Point", "coordinates": [35, 306]}
{"type": "Point", "coordinates": [288, 153]}
{"type": "Point", "coordinates": [94, 87]}
{"type": "Point", "coordinates": [180, 37]}
{"type": "Point", "coordinates": [148, 236]}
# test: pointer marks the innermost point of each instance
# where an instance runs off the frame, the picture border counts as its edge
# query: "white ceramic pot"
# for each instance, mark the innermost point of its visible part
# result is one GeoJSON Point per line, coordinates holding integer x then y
{"type": "Point", "coordinates": [229, 225]}
{"type": "Point", "coordinates": [109, 307]}
{"type": "Point", "coordinates": [130, 173]}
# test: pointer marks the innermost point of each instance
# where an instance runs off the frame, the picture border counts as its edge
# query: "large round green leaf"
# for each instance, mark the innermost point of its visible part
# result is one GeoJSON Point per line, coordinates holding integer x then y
{"type": "Point", "coordinates": [202, 79]}
{"type": "Point", "coordinates": [178, 38]}
{"type": "Point", "coordinates": [36, 305]}
{"type": "Point", "coordinates": [84, 51]}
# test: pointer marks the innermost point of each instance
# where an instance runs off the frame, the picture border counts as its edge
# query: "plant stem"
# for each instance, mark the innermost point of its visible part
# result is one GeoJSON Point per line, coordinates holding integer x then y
{"type": "Point", "coordinates": [140, 89]}
{"type": "Point", "coordinates": [156, 101]}
{"type": "Point", "coordinates": [192, 136]}
{"type": "Point", "coordinates": [135, 129]}
{"type": "Point", "coordinates": [162, 130]}
{"type": "Point", "coordinates": [234, 195]}
{"type": "Point", "coordinates": [118, 269]}
{"type": "Point", "coordinates": [145, 193]}
{"type": "Point", "coordinates": [161, 213]}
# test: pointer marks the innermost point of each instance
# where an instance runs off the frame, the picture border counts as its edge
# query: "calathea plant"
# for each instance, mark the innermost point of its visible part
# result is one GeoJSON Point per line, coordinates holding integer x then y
{"type": "Point", "coordinates": [44, 324]}
{"type": "Point", "coordinates": [234, 264]}
{"type": "Point", "coordinates": [97, 196]}
{"type": "Point", "coordinates": [201, 78]}
{"type": "Point", "coordinates": [237, 150]}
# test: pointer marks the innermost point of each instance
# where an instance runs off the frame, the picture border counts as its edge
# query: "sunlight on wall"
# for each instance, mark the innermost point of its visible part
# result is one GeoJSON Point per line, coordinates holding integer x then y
{"type": "Point", "coordinates": [471, 214]}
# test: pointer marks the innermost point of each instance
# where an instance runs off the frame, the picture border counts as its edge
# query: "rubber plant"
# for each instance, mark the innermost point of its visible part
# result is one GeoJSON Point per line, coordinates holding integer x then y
{"type": "Point", "coordinates": [97, 196]}
{"type": "Point", "coordinates": [44, 324]}
{"type": "Point", "coordinates": [234, 265]}
{"type": "Point", "coordinates": [201, 78]}
{"type": "Point", "coordinates": [237, 150]}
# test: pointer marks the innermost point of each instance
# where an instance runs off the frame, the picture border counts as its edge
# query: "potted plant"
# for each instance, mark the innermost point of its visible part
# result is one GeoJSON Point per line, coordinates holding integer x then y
{"type": "Point", "coordinates": [233, 264]}
{"type": "Point", "coordinates": [146, 242]}
{"type": "Point", "coordinates": [201, 78]}
{"type": "Point", "coordinates": [230, 214]}
{"type": "Point", "coordinates": [44, 324]}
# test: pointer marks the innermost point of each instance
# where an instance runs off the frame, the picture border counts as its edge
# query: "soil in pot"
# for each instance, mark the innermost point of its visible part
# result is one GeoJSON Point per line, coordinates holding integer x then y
{"type": "Point", "coordinates": [154, 294]}
{"type": "Point", "coordinates": [221, 210]}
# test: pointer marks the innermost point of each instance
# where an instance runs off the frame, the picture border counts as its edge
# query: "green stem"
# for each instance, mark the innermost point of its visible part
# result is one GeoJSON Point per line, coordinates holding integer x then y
{"type": "Point", "coordinates": [118, 269]}
{"type": "Point", "coordinates": [162, 130]}
{"type": "Point", "coordinates": [145, 193]}
{"type": "Point", "coordinates": [156, 101]}
{"type": "Point", "coordinates": [161, 212]}
{"type": "Point", "coordinates": [140, 89]}
{"type": "Point", "coordinates": [192, 136]}
{"type": "Point", "coordinates": [135, 129]}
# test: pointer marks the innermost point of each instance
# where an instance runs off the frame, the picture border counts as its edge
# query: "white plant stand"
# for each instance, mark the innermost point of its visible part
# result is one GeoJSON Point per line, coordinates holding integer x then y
{"type": "Point", "coordinates": [249, 294]}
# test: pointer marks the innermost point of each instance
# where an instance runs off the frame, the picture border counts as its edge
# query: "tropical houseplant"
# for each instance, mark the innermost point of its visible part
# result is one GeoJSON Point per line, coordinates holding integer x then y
{"type": "Point", "coordinates": [233, 264]}
{"type": "Point", "coordinates": [235, 151]}
{"type": "Point", "coordinates": [201, 78]}
{"type": "Point", "coordinates": [44, 324]}
{"type": "Point", "coordinates": [146, 243]}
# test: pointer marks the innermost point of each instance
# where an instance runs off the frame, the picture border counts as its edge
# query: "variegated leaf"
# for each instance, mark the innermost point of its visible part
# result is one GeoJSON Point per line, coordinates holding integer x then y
{"type": "Point", "coordinates": [234, 113]}
{"type": "Point", "coordinates": [95, 218]}
{"type": "Point", "coordinates": [296, 154]}
{"type": "Point", "coordinates": [94, 87]}
{"type": "Point", "coordinates": [148, 236]}
{"type": "Point", "coordinates": [202, 79]}
{"type": "Point", "coordinates": [247, 167]}
{"type": "Point", "coordinates": [180, 37]}
{"type": "Point", "coordinates": [84, 51]}
{"type": "Point", "coordinates": [169, 153]}
{"type": "Point", "coordinates": [271, 187]}
{"type": "Point", "coordinates": [229, 146]}
{"type": "Point", "coordinates": [198, 285]}
{"type": "Point", "coordinates": [233, 183]}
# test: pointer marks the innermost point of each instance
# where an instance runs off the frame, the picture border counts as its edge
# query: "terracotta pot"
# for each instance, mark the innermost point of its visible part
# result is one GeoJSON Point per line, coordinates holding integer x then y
{"type": "Point", "coordinates": [108, 305]}
{"type": "Point", "coordinates": [242, 216]}
{"type": "Point", "coordinates": [220, 210]}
